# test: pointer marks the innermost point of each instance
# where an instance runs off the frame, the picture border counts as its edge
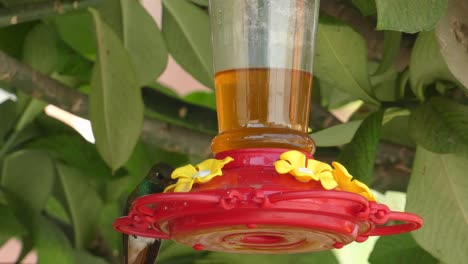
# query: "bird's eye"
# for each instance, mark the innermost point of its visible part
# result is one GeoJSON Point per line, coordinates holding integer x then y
{"type": "Point", "coordinates": [160, 176]}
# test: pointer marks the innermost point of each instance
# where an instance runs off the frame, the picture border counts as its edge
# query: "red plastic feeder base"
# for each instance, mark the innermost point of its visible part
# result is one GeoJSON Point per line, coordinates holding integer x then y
{"type": "Point", "coordinates": [261, 217]}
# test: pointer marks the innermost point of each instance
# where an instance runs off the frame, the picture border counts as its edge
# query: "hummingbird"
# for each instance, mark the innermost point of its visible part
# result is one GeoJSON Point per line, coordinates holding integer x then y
{"type": "Point", "coordinates": [144, 250]}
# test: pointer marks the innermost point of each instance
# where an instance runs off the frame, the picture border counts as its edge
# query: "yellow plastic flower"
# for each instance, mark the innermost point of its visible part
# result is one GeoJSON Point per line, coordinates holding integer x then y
{"type": "Point", "coordinates": [202, 173]}
{"type": "Point", "coordinates": [305, 170]}
{"type": "Point", "coordinates": [346, 182]}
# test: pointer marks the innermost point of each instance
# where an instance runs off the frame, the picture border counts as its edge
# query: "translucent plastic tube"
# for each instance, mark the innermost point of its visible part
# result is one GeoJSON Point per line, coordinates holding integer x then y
{"type": "Point", "coordinates": [263, 58]}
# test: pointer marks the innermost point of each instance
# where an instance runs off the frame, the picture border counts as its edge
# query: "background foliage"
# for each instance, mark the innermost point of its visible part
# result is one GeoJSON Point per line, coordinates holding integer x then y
{"type": "Point", "coordinates": [59, 194]}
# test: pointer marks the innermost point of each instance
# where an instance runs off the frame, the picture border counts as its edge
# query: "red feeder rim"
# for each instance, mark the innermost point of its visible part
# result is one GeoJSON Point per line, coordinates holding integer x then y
{"type": "Point", "coordinates": [262, 217]}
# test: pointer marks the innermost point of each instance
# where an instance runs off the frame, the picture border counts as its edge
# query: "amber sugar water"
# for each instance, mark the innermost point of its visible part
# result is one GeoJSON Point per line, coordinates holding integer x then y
{"type": "Point", "coordinates": [263, 107]}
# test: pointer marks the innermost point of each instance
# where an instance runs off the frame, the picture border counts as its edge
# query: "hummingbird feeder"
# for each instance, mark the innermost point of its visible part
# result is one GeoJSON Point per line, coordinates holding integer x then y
{"type": "Point", "coordinates": [263, 192]}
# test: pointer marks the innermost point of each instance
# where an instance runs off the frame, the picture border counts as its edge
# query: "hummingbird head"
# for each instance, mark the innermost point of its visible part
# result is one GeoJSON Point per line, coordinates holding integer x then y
{"type": "Point", "coordinates": [160, 174]}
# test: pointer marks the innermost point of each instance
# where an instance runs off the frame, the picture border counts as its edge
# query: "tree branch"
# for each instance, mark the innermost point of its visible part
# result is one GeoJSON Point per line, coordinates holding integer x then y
{"type": "Point", "coordinates": [33, 11]}
{"type": "Point", "coordinates": [42, 87]}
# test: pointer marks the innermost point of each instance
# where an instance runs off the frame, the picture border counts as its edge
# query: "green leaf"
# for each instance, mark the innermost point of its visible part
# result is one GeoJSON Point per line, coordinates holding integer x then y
{"type": "Point", "coordinates": [206, 99]}
{"type": "Point", "coordinates": [441, 126]}
{"type": "Point", "coordinates": [336, 135]}
{"type": "Point", "coordinates": [186, 30]}
{"type": "Point", "coordinates": [452, 36]}
{"type": "Point", "coordinates": [409, 16]}
{"type": "Point", "coordinates": [51, 244]}
{"type": "Point", "coordinates": [29, 175]}
{"type": "Point", "coordinates": [73, 68]}
{"type": "Point", "coordinates": [33, 108]}
{"type": "Point", "coordinates": [146, 45]}
{"type": "Point", "coordinates": [13, 37]}
{"type": "Point", "coordinates": [9, 225]}
{"type": "Point", "coordinates": [76, 152]}
{"type": "Point", "coordinates": [226, 258]}
{"type": "Point", "coordinates": [109, 213]}
{"type": "Point", "coordinates": [111, 14]}
{"type": "Point", "coordinates": [397, 131]}
{"type": "Point", "coordinates": [359, 155]}
{"type": "Point", "coordinates": [175, 111]}
{"type": "Point", "coordinates": [84, 257]}
{"type": "Point", "coordinates": [367, 7]}
{"type": "Point", "coordinates": [437, 192]}
{"type": "Point", "coordinates": [399, 249]}
{"type": "Point", "coordinates": [81, 201]}
{"type": "Point", "coordinates": [386, 86]}
{"type": "Point", "coordinates": [341, 59]}
{"type": "Point", "coordinates": [331, 97]}
{"type": "Point", "coordinates": [76, 29]}
{"type": "Point", "coordinates": [55, 209]}
{"type": "Point", "coordinates": [200, 2]}
{"type": "Point", "coordinates": [40, 49]}
{"type": "Point", "coordinates": [7, 112]}
{"type": "Point", "coordinates": [116, 107]}
{"type": "Point", "coordinates": [392, 41]}
{"type": "Point", "coordinates": [427, 65]}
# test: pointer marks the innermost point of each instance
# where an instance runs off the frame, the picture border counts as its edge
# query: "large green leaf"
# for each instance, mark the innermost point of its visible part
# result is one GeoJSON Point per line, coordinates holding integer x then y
{"type": "Point", "coordinates": [40, 49]}
{"type": "Point", "coordinates": [9, 225]}
{"type": "Point", "coordinates": [76, 152]}
{"type": "Point", "coordinates": [76, 29]}
{"type": "Point", "coordinates": [399, 249]}
{"type": "Point", "coordinates": [427, 65]}
{"type": "Point", "coordinates": [146, 45]}
{"type": "Point", "coordinates": [409, 16]}
{"type": "Point", "coordinates": [81, 201]}
{"type": "Point", "coordinates": [397, 131]}
{"type": "Point", "coordinates": [451, 33]}
{"type": "Point", "coordinates": [186, 30]}
{"type": "Point", "coordinates": [341, 59]}
{"type": "Point", "coordinates": [336, 135]}
{"type": "Point", "coordinates": [51, 244]}
{"type": "Point", "coordinates": [437, 192]}
{"type": "Point", "coordinates": [441, 126]}
{"type": "Point", "coordinates": [359, 155]}
{"type": "Point", "coordinates": [29, 174]}
{"type": "Point", "coordinates": [12, 38]}
{"type": "Point", "coordinates": [309, 258]}
{"type": "Point", "coordinates": [116, 107]}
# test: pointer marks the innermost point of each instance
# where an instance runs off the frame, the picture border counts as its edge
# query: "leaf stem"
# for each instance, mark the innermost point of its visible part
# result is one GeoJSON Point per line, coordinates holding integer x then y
{"type": "Point", "coordinates": [8, 144]}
